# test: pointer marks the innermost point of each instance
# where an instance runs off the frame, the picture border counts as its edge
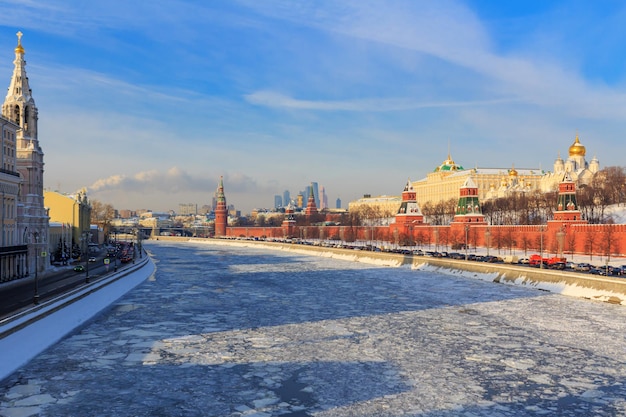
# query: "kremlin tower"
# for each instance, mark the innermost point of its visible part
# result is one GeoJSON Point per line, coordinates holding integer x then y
{"type": "Point", "coordinates": [221, 211]}
{"type": "Point", "coordinates": [289, 223]}
{"type": "Point", "coordinates": [566, 207]}
{"type": "Point", "coordinates": [468, 208]}
{"type": "Point", "coordinates": [409, 213]}
{"type": "Point", "coordinates": [311, 207]}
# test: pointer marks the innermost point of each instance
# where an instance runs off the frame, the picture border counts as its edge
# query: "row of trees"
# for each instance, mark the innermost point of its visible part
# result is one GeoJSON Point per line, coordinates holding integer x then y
{"type": "Point", "coordinates": [607, 188]}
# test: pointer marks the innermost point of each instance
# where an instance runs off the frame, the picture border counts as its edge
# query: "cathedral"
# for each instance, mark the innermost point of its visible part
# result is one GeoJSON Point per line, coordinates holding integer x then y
{"type": "Point", "coordinates": [576, 167]}
{"type": "Point", "coordinates": [23, 250]}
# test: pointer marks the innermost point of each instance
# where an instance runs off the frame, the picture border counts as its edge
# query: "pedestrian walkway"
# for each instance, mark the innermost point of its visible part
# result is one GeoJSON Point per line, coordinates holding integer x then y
{"type": "Point", "coordinates": [243, 332]}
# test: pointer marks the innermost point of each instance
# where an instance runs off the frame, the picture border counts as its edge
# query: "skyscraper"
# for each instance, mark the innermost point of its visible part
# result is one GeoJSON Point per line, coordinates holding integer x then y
{"type": "Point", "coordinates": [323, 198]}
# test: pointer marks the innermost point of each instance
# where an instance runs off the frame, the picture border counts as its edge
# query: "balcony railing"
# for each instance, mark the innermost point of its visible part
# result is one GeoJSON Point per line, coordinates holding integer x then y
{"type": "Point", "coordinates": [6, 171]}
{"type": "Point", "coordinates": [13, 250]}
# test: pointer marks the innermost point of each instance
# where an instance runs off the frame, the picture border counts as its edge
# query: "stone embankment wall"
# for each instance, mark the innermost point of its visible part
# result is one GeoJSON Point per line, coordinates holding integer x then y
{"type": "Point", "coordinates": [607, 289]}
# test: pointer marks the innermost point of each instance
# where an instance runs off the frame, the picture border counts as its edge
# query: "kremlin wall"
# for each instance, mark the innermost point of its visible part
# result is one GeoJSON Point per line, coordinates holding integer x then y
{"type": "Point", "coordinates": [566, 234]}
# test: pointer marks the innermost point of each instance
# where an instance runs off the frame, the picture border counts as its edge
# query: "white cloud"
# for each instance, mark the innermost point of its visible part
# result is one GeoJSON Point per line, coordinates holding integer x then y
{"type": "Point", "coordinates": [174, 180]}
{"type": "Point", "coordinates": [278, 100]}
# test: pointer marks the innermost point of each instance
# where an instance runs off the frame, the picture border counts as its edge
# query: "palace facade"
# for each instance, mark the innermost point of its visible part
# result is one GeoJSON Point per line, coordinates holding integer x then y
{"type": "Point", "coordinates": [444, 182]}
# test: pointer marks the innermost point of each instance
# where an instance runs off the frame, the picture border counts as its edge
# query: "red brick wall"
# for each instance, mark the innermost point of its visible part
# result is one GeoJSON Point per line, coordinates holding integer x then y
{"type": "Point", "coordinates": [556, 237]}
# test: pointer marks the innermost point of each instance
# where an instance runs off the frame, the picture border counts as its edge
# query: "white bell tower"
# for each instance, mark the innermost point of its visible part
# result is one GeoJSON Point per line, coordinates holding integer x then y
{"type": "Point", "coordinates": [32, 217]}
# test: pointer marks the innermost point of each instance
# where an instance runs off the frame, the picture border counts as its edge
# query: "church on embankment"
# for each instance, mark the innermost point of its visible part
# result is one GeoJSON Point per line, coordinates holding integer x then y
{"type": "Point", "coordinates": [567, 233]}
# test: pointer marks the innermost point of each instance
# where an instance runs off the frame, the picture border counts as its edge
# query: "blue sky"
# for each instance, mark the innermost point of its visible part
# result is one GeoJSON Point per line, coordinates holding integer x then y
{"type": "Point", "coordinates": [148, 103]}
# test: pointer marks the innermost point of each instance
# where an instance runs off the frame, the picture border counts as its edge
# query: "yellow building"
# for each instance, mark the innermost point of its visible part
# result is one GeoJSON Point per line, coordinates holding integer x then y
{"type": "Point", "coordinates": [376, 207]}
{"type": "Point", "coordinates": [71, 210]}
{"type": "Point", "coordinates": [443, 183]}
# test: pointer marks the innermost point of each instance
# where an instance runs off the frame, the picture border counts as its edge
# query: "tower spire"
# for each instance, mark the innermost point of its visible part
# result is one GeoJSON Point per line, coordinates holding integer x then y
{"type": "Point", "coordinates": [19, 105]}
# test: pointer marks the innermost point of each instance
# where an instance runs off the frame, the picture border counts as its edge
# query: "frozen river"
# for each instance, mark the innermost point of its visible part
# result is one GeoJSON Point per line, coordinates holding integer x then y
{"type": "Point", "coordinates": [223, 331]}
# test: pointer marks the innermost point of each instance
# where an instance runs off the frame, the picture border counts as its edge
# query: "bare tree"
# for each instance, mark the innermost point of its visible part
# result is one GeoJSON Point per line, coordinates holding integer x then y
{"type": "Point", "coordinates": [590, 240]}
{"type": "Point", "coordinates": [102, 214]}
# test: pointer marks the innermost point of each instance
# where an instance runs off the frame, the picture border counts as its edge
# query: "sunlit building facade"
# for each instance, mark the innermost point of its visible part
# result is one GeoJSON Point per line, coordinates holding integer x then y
{"type": "Point", "coordinates": [444, 182]}
{"type": "Point", "coordinates": [31, 218]}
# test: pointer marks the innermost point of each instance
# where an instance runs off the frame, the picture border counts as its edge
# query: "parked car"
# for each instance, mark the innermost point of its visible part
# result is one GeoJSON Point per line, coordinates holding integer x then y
{"type": "Point", "coordinates": [583, 267]}
{"type": "Point", "coordinates": [524, 261]}
{"type": "Point", "coordinates": [609, 270]}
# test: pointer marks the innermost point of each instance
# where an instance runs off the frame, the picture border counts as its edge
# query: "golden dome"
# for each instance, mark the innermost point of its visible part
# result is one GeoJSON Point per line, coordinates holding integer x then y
{"type": "Point", "coordinates": [577, 149]}
{"type": "Point", "coordinates": [513, 172]}
{"type": "Point", "coordinates": [449, 165]}
{"type": "Point", "coordinates": [19, 49]}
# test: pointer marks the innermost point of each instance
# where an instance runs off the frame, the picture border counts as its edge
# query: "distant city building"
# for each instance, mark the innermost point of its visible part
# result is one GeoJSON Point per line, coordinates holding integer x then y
{"type": "Point", "coordinates": [286, 198]}
{"type": "Point", "coordinates": [338, 203]}
{"type": "Point", "coordinates": [323, 198]}
{"type": "Point", "coordinates": [155, 221]}
{"type": "Point", "coordinates": [205, 209]}
{"type": "Point", "coordinates": [232, 212]}
{"type": "Point", "coordinates": [187, 209]}
{"type": "Point", "coordinates": [278, 201]}
{"type": "Point", "coordinates": [127, 214]}
{"type": "Point", "coordinates": [300, 202]}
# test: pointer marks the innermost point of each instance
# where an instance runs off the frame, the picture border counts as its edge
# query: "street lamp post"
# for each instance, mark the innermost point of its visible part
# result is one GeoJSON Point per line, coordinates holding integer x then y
{"type": "Point", "coordinates": [560, 237]}
{"type": "Point", "coordinates": [488, 239]}
{"type": "Point", "coordinates": [86, 238]}
{"type": "Point", "coordinates": [115, 254]}
{"type": "Point", "coordinates": [541, 229]}
{"type": "Point", "coordinates": [466, 232]}
{"type": "Point", "coordinates": [36, 296]}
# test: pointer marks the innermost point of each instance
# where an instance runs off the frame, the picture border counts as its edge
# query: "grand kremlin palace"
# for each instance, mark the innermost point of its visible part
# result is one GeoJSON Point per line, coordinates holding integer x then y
{"type": "Point", "coordinates": [443, 183]}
